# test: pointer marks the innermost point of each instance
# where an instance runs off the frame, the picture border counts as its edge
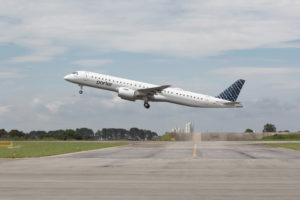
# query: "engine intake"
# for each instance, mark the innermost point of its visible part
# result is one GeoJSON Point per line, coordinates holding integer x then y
{"type": "Point", "coordinates": [127, 94]}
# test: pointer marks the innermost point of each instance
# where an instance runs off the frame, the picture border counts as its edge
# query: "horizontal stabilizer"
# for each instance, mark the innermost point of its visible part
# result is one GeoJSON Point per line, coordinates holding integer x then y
{"type": "Point", "coordinates": [235, 104]}
{"type": "Point", "coordinates": [231, 103]}
{"type": "Point", "coordinates": [232, 93]}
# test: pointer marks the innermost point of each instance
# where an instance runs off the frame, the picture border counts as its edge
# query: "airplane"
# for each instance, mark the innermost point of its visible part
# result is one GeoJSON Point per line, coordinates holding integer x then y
{"type": "Point", "coordinates": [134, 90]}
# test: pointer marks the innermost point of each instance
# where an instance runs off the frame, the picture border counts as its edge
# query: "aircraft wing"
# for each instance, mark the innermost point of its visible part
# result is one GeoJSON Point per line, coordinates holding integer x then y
{"type": "Point", "coordinates": [151, 91]}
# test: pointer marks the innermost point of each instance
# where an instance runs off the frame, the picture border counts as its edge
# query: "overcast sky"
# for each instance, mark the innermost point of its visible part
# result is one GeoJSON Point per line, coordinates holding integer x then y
{"type": "Point", "coordinates": [201, 46]}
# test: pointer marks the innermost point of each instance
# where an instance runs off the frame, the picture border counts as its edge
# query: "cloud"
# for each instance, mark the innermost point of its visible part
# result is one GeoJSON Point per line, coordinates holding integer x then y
{"type": "Point", "coordinates": [39, 54]}
{"type": "Point", "coordinates": [54, 106]}
{"type": "Point", "coordinates": [9, 75]}
{"type": "Point", "coordinates": [103, 100]}
{"type": "Point", "coordinates": [91, 62]}
{"type": "Point", "coordinates": [177, 28]}
{"type": "Point", "coordinates": [36, 101]}
{"type": "Point", "coordinates": [4, 110]}
{"type": "Point", "coordinates": [255, 71]}
{"type": "Point", "coordinates": [278, 77]}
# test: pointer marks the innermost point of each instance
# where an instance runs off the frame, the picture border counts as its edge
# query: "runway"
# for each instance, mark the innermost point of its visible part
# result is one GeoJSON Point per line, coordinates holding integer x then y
{"type": "Point", "coordinates": [157, 170]}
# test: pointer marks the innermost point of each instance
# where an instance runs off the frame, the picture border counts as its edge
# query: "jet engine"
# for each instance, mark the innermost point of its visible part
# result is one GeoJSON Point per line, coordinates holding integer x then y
{"type": "Point", "coordinates": [127, 94]}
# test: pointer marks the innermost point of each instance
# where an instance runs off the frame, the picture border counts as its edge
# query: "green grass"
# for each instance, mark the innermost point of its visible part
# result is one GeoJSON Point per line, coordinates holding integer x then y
{"type": "Point", "coordinates": [279, 137]}
{"type": "Point", "coordinates": [285, 137]}
{"type": "Point", "coordinates": [39, 149]}
{"type": "Point", "coordinates": [294, 146]}
{"type": "Point", "coordinates": [167, 137]}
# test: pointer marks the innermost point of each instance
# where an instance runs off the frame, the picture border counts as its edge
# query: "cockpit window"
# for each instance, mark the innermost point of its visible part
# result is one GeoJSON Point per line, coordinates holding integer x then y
{"type": "Point", "coordinates": [76, 73]}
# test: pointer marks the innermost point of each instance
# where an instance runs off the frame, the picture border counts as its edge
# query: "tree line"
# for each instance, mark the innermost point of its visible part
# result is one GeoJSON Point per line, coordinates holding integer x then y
{"type": "Point", "coordinates": [80, 134]}
{"type": "Point", "coordinates": [267, 128]}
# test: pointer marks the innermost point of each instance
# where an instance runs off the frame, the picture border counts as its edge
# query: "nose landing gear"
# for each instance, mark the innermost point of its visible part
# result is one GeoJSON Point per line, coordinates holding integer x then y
{"type": "Point", "coordinates": [80, 91]}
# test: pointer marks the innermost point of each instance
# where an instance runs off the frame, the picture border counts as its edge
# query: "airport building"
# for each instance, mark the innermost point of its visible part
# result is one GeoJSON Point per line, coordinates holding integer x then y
{"type": "Point", "coordinates": [189, 127]}
{"type": "Point", "coordinates": [176, 130]}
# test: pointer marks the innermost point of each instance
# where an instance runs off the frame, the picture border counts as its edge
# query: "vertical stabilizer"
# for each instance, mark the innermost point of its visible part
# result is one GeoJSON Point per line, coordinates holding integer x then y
{"type": "Point", "coordinates": [232, 93]}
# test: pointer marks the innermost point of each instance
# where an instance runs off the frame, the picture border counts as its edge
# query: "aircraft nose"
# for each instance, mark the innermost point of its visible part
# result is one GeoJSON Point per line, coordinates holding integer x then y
{"type": "Point", "coordinates": [68, 77]}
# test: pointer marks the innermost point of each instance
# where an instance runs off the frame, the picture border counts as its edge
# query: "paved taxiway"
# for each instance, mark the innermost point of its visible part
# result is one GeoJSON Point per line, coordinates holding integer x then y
{"type": "Point", "coordinates": [157, 170]}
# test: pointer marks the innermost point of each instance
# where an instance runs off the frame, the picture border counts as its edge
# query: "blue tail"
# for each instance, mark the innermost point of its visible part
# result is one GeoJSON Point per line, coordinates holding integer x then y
{"type": "Point", "coordinates": [232, 93]}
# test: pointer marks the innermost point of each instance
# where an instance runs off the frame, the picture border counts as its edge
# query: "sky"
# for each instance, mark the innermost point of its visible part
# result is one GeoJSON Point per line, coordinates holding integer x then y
{"type": "Point", "coordinates": [198, 45]}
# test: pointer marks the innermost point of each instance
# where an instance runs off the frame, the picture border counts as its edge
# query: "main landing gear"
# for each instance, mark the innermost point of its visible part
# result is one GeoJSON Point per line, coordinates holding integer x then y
{"type": "Point", "coordinates": [80, 91]}
{"type": "Point", "coordinates": [146, 105]}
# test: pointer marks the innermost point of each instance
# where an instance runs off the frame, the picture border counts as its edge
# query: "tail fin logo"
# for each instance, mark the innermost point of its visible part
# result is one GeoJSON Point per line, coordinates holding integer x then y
{"type": "Point", "coordinates": [232, 93]}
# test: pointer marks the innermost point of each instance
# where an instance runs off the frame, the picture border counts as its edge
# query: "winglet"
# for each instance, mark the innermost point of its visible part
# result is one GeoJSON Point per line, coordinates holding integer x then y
{"type": "Point", "coordinates": [232, 93]}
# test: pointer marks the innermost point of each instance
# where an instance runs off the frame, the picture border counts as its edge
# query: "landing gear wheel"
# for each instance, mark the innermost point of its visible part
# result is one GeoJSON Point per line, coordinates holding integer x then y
{"type": "Point", "coordinates": [147, 105]}
{"type": "Point", "coordinates": [80, 91]}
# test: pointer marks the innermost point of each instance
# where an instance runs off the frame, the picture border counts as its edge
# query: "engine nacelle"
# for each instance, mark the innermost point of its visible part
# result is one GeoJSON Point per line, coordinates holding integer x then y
{"type": "Point", "coordinates": [127, 94]}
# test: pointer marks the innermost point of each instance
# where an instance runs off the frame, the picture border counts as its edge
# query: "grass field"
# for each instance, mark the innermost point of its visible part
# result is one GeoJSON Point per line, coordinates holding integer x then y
{"type": "Point", "coordinates": [39, 149]}
{"type": "Point", "coordinates": [280, 137]}
{"type": "Point", "coordinates": [167, 137]}
{"type": "Point", "coordinates": [294, 146]}
{"type": "Point", "coordinates": [285, 137]}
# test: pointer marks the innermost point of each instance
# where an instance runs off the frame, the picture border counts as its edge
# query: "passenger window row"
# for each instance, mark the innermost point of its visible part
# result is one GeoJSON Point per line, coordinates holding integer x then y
{"type": "Point", "coordinates": [180, 94]}
{"type": "Point", "coordinates": [119, 82]}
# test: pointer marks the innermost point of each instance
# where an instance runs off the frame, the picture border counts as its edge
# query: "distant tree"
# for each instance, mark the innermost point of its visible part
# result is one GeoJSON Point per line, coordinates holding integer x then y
{"type": "Point", "coordinates": [98, 135]}
{"type": "Point", "coordinates": [119, 133]}
{"type": "Point", "coordinates": [83, 133]}
{"type": "Point", "coordinates": [137, 133]}
{"type": "Point", "coordinates": [86, 133]}
{"type": "Point", "coordinates": [28, 137]}
{"type": "Point", "coordinates": [16, 134]}
{"type": "Point", "coordinates": [142, 134]}
{"type": "Point", "coordinates": [56, 134]}
{"type": "Point", "coordinates": [105, 133]}
{"type": "Point", "coordinates": [269, 128]}
{"type": "Point", "coordinates": [68, 134]}
{"type": "Point", "coordinates": [3, 133]}
{"type": "Point", "coordinates": [248, 130]}
{"type": "Point", "coordinates": [37, 134]}
{"type": "Point", "coordinates": [71, 134]}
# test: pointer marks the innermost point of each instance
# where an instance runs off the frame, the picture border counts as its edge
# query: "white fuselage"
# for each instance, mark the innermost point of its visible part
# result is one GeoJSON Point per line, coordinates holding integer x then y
{"type": "Point", "coordinates": [171, 95]}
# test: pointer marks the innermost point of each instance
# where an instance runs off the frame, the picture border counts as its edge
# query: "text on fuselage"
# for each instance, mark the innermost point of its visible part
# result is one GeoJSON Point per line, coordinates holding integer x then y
{"type": "Point", "coordinates": [103, 83]}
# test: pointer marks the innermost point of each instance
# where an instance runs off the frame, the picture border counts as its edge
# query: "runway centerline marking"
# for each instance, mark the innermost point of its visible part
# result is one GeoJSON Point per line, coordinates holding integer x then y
{"type": "Point", "coordinates": [195, 151]}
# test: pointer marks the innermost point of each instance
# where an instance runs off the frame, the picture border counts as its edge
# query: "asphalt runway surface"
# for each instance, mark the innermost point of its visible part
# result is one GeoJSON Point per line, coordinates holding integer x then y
{"type": "Point", "coordinates": [157, 170]}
